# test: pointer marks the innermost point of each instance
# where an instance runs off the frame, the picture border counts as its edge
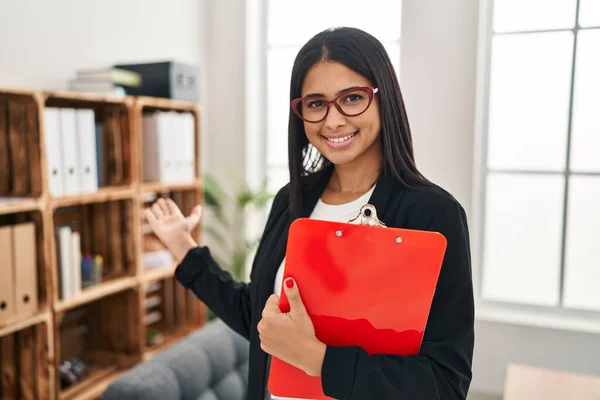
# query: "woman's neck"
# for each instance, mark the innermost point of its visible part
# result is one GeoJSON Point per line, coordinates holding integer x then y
{"type": "Point", "coordinates": [354, 178]}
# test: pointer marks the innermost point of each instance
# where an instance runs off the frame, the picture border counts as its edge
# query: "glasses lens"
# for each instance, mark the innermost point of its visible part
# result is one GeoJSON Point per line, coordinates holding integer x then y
{"type": "Point", "coordinates": [354, 102]}
{"type": "Point", "coordinates": [312, 110]}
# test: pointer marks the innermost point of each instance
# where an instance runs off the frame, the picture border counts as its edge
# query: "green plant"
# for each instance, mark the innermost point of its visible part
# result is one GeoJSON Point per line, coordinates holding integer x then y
{"type": "Point", "coordinates": [229, 212]}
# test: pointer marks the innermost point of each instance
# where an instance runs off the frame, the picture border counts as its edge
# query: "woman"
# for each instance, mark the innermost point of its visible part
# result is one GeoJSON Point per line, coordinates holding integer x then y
{"type": "Point", "coordinates": [349, 144]}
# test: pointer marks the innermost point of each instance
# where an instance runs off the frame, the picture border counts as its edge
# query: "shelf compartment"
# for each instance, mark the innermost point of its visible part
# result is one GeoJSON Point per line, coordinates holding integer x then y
{"type": "Point", "coordinates": [169, 312]}
{"type": "Point", "coordinates": [179, 120]}
{"type": "Point", "coordinates": [94, 333]}
{"type": "Point", "coordinates": [112, 130]}
{"type": "Point", "coordinates": [99, 229]}
{"type": "Point", "coordinates": [23, 239]}
{"type": "Point", "coordinates": [20, 144]}
{"type": "Point", "coordinates": [25, 361]}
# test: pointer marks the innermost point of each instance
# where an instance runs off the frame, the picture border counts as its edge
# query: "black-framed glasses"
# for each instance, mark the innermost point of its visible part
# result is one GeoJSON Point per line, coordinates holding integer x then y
{"type": "Point", "coordinates": [350, 103]}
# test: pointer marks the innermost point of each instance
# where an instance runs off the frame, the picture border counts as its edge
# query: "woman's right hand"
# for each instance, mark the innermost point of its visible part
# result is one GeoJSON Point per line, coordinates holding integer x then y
{"type": "Point", "coordinates": [172, 227]}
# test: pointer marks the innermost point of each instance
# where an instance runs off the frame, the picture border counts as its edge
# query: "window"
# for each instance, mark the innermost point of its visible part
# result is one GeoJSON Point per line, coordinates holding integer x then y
{"type": "Point", "coordinates": [289, 26]}
{"type": "Point", "coordinates": [539, 204]}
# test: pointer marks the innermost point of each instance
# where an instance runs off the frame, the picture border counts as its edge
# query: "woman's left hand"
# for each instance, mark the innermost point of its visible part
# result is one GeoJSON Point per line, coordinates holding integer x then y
{"type": "Point", "coordinates": [291, 336]}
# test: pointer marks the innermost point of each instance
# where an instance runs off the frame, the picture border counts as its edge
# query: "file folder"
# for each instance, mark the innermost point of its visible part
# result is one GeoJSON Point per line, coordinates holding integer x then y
{"type": "Point", "coordinates": [25, 262]}
{"type": "Point", "coordinates": [363, 284]}
{"type": "Point", "coordinates": [52, 142]}
{"type": "Point", "coordinates": [86, 139]}
{"type": "Point", "coordinates": [70, 151]}
{"type": "Point", "coordinates": [7, 280]}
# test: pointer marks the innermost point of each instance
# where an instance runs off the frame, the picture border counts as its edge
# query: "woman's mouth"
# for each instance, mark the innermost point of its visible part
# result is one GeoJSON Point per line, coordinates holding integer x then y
{"type": "Point", "coordinates": [340, 141]}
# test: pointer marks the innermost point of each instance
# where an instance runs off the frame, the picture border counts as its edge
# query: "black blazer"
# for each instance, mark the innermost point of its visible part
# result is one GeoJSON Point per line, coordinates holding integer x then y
{"type": "Point", "coordinates": [442, 369]}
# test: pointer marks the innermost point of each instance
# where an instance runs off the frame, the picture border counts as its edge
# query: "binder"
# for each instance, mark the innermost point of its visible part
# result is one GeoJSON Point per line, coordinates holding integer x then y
{"type": "Point", "coordinates": [25, 263]}
{"type": "Point", "coordinates": [189, 158]}
{"type": "Point", "coordinates": [363, 284]}
{"type": "Point", "coordinates": [86, 139]}
{"type": "Point", "coordinates": [70, 151]}
{"type": "Point", "coordinates": [166, 123]}
{"type": "Point", "coordinates": [7, 282]}
{"type": "Point", "coordinates": [53, 151]}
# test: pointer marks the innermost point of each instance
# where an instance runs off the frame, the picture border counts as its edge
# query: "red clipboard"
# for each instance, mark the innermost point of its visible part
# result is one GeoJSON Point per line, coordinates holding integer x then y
{"type": "Point", "coordinates": [362, 284]}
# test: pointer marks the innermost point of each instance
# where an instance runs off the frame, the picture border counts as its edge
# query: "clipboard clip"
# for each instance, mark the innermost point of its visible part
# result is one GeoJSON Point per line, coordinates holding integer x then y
{"type": "Point", "coordinates": [367, 216]}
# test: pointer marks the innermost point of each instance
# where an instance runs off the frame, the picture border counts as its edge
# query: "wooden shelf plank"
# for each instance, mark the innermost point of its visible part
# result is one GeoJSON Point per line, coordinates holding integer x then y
{"type": "Point", "coordinates": [170, 187]}
{"type": "Point", "coordinates": [93, 385]}
{"type": "Point", "coordinates": [169, 104]}
{"type": "Point", "coordinates": [97, 292]}
{"type": "Point", "coordinates": [12, 205]}
{"type": "Point", "coordinates": [87, 97]}
{"type": "Point", "coordinates": [104, 194]}
{"type": "Point", "coordinates": [18, 92]}
{"type": "Point", "coordinates": [19, 324]}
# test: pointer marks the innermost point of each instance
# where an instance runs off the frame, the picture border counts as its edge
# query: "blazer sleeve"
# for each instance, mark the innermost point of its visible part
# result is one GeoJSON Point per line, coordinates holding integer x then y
{"type": "Point", "coordinates": [442, 369]}
{"type": "Point", "coordinates": [229, 299]}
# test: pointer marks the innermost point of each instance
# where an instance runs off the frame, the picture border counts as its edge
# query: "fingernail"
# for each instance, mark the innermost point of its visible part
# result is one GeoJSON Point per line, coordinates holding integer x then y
{"type": "Point", "coordinates": [289, 283]}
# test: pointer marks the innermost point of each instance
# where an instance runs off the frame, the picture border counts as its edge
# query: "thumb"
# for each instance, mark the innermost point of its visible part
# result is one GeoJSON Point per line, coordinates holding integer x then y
{"type": "Point", "coordinates": [293, 295]}
{"type": "Point", "coordinates": [194, 218]}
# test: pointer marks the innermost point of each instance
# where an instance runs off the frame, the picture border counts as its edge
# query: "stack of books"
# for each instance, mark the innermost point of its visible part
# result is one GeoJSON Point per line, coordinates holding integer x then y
{"type": "Point", "coordinates": [113, 81]}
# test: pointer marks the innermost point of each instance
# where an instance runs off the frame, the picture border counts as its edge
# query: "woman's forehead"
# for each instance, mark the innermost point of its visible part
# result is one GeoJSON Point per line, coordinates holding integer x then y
{"type": "Point", "coordinates": [328, 78]}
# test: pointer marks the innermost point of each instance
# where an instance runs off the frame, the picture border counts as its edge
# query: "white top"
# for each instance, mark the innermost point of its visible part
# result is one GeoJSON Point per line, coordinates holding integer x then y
{"type": "Point", "coordinates": [327, 212]}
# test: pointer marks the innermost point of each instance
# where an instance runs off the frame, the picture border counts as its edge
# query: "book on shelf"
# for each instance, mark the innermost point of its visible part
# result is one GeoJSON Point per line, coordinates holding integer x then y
{"type": "Point", "coordinates": [77, 271]}
{"type": "Point", "coordinates": [109, 80]}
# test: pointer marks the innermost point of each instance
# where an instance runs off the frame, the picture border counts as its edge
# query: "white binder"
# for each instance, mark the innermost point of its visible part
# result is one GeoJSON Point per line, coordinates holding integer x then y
{"type": "Point", "coordinates": [86, 135]}
{"type": "Point", "coordinates": [70, 151]}
{"type": "Point", "coordinates": [166, 148]}
{"type": "Point", "coordinates": [52, 141]}
{"type": "Point", "coordinates": [189, 133]}
{"type": "Point", "coordinates": [177, 150]}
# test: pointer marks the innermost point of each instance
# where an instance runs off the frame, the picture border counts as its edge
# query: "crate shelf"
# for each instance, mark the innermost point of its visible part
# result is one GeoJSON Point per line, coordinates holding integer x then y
{"type": "Point", "coordinates": [110, 223]}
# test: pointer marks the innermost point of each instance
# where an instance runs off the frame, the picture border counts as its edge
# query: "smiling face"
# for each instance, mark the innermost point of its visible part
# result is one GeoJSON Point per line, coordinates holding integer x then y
{"type": "Point", "coordinates": [341, 139]}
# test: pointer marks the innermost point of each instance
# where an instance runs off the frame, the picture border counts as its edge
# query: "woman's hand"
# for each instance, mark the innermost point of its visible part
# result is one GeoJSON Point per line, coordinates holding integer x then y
{"type": "Point", "coordinates": [172, 227]}
{"type": "Point", "coordinates": [291, 336]}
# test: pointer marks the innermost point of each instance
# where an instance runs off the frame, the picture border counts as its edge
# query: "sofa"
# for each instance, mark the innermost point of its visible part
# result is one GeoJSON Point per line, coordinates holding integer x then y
{"type": "Point", "coordinates": [208, 364]}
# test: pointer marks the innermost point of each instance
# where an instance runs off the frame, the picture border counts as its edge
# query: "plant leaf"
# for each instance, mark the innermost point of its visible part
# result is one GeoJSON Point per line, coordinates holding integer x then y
{"type": "Point", "coordinates": [212, 232]}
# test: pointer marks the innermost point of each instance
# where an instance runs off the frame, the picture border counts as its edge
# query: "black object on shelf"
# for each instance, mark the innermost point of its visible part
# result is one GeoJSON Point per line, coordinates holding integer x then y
{"type": "Point", "coordinates": [166, 79]}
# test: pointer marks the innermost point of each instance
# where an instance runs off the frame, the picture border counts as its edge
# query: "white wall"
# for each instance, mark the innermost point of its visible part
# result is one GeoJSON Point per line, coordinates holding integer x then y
{"type": "Point", "coordinates": [42, 43]}
{"type": "Point", "coordinates": [438, 71]}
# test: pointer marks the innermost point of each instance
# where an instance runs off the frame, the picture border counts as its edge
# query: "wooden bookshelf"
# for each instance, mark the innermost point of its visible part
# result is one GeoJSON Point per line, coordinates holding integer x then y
{"type": "Point", "coordinates": [110, 220]}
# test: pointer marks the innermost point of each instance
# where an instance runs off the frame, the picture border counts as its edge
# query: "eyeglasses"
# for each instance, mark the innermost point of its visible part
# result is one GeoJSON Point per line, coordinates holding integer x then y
{"type": "Point", "coordinates": [350, 103]}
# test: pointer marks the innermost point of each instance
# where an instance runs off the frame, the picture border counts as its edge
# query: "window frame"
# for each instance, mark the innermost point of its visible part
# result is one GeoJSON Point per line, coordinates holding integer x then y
{"type": "Point", "coordinates": [555, 317]}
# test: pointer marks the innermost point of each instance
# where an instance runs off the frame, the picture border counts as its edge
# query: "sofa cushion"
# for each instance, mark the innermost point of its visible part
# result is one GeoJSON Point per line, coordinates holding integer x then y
{"type": "Point", "coordinates": [209, 364]}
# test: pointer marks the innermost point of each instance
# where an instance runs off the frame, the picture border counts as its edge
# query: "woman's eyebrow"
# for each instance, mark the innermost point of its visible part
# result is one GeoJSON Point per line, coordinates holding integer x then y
{"type": "Point", "coordinates": [322, 95]}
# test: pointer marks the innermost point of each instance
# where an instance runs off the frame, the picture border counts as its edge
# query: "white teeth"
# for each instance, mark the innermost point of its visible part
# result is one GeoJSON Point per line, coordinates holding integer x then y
{"type": "Point", "coordinates": [340, 140]}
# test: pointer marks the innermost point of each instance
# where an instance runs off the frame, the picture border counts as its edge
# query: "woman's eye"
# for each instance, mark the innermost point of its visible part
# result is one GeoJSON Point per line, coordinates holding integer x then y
{"type": "Point", "coordinates": [353, 97]}
{"type": "Point", "coordinates": [315, 104]}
